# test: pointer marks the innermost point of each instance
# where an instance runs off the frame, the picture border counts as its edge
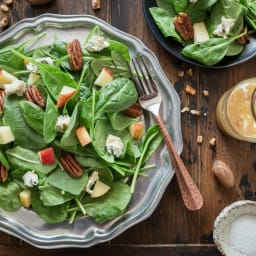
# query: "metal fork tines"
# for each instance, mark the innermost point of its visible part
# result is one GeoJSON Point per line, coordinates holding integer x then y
{"type": "Point", "coordinates": [150, 99]}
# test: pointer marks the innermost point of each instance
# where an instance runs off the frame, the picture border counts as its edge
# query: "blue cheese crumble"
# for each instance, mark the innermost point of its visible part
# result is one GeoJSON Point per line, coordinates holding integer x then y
{"type": "Point", "coordinates": [114, 145]}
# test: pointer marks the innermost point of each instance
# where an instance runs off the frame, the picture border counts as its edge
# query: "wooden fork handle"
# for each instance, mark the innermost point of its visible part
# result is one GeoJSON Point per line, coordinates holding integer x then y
{"type": "Point", "coordinates": [191, 195]}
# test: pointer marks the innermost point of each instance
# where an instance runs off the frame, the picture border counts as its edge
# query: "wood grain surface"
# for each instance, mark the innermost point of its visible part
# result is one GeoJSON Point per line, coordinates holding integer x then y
{"type": "Point", "coordinates": [172, 229]}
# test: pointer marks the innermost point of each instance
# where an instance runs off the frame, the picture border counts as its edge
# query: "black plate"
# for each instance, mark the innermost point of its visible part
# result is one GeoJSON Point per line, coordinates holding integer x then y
{"type": "Point", "coordinates": [175, 48]}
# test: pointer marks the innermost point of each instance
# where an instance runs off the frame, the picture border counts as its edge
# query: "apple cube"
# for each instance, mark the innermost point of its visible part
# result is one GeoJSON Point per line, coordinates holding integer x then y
{"type": "Point", "coordinates": [136, 130]}
{"type": "Point", "coordinates": [65, 94]}
{"type": "Point", "coordinates": [105, 76]}
{"type": "Point", "coordinates": [200, 32]}
{"type": "Point", "coordinates": [6, 78]}
{"type": "Point", "coordinates": [83, 136]}
{"type": "Point", "coordinates": [6, 135]}
{"type": "Point", "coordinates": [99, 189]}
{"type": "Point", "coordinates": [47, 156]}
{"type": "Point", "coordinates": [25, 198]}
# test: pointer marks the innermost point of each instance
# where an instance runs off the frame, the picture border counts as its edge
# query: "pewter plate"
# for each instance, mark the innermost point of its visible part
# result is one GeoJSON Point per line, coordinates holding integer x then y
{"type": "Point", "coordinates": [25, 224]}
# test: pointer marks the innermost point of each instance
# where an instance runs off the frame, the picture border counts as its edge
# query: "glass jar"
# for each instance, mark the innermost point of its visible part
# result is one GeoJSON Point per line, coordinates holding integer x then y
{"type": "Point", "coordinates": [236, 111]}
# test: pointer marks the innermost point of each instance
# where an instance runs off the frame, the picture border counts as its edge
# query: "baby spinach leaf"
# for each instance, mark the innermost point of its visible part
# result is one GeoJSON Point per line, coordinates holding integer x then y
{"type": "Point", "coordinates": [50, 214]}
{"type": "Point", "coordinates": [17, 175]}
{"type": "Point", "coordinates": [93, 162]}
{"type": "Point", "coordinates": [9, 196]}
{"type": "Point", "coordinates": [22, 157]}
{"type": "Point", "coordinates": [180, 5]}
{"type": "Point", "coordinates": [24, 135]}
{"type": "Point", "coordinates": [165, 23]}
{"type": "Point", "coordinates": [51, 196]}
{"type": "Point", "coordinates": [120, 121]}
{"type": "Point", "coordinates": [110, 205]}
{"type": "Point", "coordinates": [63, 181]}
{"type": "Point", "coordinates": [209, 52]}
{"type": "Point", "coordinates": [3, 160]}
{"type": "Point", "coordinates": [117, 94]}
{"type": "Point", "coordinates": [33, 115]}
{"type": "Point", "coordinates": [50, 119]}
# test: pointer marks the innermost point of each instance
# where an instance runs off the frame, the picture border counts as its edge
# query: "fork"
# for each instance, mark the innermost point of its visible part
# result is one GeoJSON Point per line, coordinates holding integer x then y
{"type": "Point", "coordinates": [150, 100]}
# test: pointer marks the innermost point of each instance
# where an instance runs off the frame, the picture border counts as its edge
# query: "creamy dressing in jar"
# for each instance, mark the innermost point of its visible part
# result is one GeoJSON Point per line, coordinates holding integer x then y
{"type": "Point", "coordinates": [234, 111]}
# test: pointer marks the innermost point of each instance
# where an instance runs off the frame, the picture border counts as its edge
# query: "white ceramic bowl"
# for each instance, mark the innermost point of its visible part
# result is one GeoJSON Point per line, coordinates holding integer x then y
{"type": "Point", "coordinates": [234, 231]}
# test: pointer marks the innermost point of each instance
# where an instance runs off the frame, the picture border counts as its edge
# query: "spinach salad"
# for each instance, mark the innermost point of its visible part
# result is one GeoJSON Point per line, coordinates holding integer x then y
{"type": "Point", "coordinates": [89, 133]}
{"type": "Point", "coordinates": [223, 26]}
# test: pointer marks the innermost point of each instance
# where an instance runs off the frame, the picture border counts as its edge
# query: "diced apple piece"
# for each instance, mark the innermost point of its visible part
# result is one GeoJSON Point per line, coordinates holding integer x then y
{"type": "Point", "coordinates": [6, 78]}
{"type": "Point", "coordinates": [65, 94]}
{"type": "Point", "coordinates": [33, 77]}
{"type": "Point", "coordinates": [200, 33]}
{"type": "Point", "coordinates": [105, 76]}
{"type": "Point", "coordinates": [136, 130]}
{"type": "Point", "coordinates": [25, 198]}
{"type": "Point", "coordinates": [83, 136]}
{"type": "Point", "coordinates": [6, 135]}
{"type": "Point", "coordinates": [47, 156]}
{"type": "Point", "coordinates": [99, 189]}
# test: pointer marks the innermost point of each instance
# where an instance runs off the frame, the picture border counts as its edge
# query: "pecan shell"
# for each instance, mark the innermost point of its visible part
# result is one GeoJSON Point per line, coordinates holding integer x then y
{"type": "Point", "coordinates": [75, 55]}
{"type": "Point", "coordinates": [134, 111]}
{"type": "Point", "coordinates": [70, 164]}
{"type": "Point", "coordinates": [33, 95]}
{"type": "Point", "coordinates": [183, 25]}
{"type": "Point", "coordinates": [3, 173]}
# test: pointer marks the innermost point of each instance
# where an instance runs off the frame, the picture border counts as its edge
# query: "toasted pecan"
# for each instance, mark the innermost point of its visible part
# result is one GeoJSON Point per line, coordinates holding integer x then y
{"type": "Point", "coordinates": [183, 25]}
{"type": "Point", "coordinates": [33, 95]}
{"type": "Point", "coordinates": [134, 111]}
{"type": "Point", "coordinates": [75, 55]}
{"type": "Point", "coordinates": [3, 173]}
{"type": "Point", "coordinates": [70, 164]}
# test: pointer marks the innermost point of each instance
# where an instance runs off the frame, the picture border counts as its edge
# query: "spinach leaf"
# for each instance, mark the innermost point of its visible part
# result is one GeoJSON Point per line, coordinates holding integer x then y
{"type": "Point", "coordinates": [209, 52]}
{"type": "Point", "coordinates": [51, 196]}
{"type": "Point", "coordinates": [110, 205]}
{"type": "Point", "coordinates": [3, 160]}
{"type": "Point", "coordinates": [24, 135]}
{"type": "Point", "coordinates": [180, 5]}
{"type": "Point", "coordinates": [50, 214]}
{"type": "Point", "coordinates": [33, 115]}
{"type": "Point", "coordinates": [120, 121]}
{"type": "Point", "coordinates": [50, 119]}
{"type": "Point", "coordinates": [63, 181]}
{"type": "Point", "coordinates": [165, 23]}
{"type": "Point", "coordinates": [9, 196]}
{"type": "Point", "coordinates": [93, 162]}
{"type": "Point", "coordinates": [22, 157]}
{"type": "Point", "coordinates": [118, 94]}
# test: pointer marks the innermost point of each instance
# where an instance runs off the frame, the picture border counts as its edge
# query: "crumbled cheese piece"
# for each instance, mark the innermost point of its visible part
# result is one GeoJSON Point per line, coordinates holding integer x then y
{"type": "Point", "coordinates": [193, 1]}
{"type": "Point", "coordinates": [16, 87]}
{"type": "Point", "coordinates": [34, 69]}
{"type": "Point", "coordinates": [114, 145]}
{"type": "Point", "coordinates": [30, 179]}
{"type": "Point", "coordinates": [91, 181]}
{"type": "Point", "coordinates": [224, 28]}
{"type": "Point", "coordinates": [62, 123]}
{"type": "Point", "coordinates": [97, 43]}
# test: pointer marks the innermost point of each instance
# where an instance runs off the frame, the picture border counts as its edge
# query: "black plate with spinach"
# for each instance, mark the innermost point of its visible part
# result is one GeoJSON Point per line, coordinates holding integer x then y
{"type": "Point", "coordinates": [175, 48]}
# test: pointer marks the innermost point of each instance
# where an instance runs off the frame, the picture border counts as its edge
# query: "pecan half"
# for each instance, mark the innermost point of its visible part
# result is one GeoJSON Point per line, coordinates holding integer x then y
{"type": "Point", "coordinates": [75, 55]}
{"type": "Point", "coordinates": [2, 96]}
{"type": "Point", "coordinates": [183, 25]}
{"type": "Point", "coordinates": [33, 95]}
{"type": "Point", "coordinates": [70, 164]}
{"type": "Point", "coordinates": [3, 173]}
{"type": "Point", "coordinates": [134, 111]}
{"type": "Point", "coordinates": [243, 39]}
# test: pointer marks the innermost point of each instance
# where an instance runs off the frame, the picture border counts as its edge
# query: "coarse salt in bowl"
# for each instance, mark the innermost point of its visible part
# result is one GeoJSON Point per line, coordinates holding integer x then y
{"type": "Point", "coordinates": [234, 231]}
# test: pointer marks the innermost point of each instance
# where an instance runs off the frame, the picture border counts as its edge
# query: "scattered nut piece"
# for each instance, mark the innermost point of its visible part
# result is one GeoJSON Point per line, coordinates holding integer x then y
{"type": "Point", "coordinates": [199, 139]}
{"type": "Point", "coordinates": [243, 39]}
{"type": "Point", "coordinates": [4, 8]}
{"type": "Point", "coordinates": [189, 72]}
{"type": "Point", "coordinates": [134, 111]}
{"type": "Point", "coordinates": [180, 73]}
{"type": "Point", "coordinates": [8, 2]}
{"type": "Point", "coordinates": [212, 142]}
{"type": "Point", "coordinates": [185, 109]}
{"type": "Point", "coordinates": [4, 22]}
{"type": "Point", "coordinates": [205, 93]}
{"type": "Point", "coordinates": [75, 53]}
{"type": "Point", "coordinates": [190, 90]}
{"type": "Point", "coordinates": [223, 173]}
{"type": "Point", "coordinates": [195, 112]}
{"type": "Point", "coordinates": [96, 4]}
{"type": "Point", "coordinates": [3, 173]}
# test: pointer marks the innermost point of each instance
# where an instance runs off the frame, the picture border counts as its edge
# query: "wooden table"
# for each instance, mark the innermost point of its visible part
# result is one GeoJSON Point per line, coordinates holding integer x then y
{"type": "Point", "coordinates": [172, 229]}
